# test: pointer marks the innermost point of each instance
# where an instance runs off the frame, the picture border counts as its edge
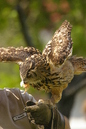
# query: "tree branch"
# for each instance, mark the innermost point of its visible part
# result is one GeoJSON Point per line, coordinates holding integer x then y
{"type": "Point", "coordinates": [24, 27]}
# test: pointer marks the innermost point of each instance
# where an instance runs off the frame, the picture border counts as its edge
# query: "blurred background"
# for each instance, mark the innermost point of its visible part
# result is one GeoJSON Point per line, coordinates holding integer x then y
{"type": "Point", "coordinates": [33, 23]}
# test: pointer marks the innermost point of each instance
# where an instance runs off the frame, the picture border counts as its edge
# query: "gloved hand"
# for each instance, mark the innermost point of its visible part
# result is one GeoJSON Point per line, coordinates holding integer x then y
{"type": "Point", "coordinates": [45, 114]}
{"type": "Point", "coordinates": [40, 111]}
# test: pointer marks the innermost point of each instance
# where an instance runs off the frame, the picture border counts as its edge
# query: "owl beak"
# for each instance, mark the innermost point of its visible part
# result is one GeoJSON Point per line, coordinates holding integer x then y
{"type": "Point", "coordinates": [22, 84]}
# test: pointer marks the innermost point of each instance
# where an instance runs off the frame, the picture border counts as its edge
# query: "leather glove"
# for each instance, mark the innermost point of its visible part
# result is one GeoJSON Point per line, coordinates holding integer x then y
{"type": "Point", "coordinates": [45, 114]}
{"type": "Point", "coordinates": [40, 111]}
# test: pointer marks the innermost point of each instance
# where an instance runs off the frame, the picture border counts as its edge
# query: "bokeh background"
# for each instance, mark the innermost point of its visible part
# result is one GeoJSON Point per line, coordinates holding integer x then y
{"type": "Point", "coordinates": [33, 23]}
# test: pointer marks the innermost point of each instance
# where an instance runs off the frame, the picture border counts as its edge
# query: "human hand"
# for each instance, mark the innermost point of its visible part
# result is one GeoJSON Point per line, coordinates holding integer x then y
{"type": "Point", "coordinates": [40, 111]}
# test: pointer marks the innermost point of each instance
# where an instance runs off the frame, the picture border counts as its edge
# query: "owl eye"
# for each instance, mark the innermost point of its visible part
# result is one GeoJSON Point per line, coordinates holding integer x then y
{"type": "Point", "coordinates": [28, 74]}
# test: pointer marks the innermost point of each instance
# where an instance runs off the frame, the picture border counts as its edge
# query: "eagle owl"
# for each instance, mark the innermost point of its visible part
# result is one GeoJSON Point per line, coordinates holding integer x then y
{"type": "Point", "coordinates": [50, 70]}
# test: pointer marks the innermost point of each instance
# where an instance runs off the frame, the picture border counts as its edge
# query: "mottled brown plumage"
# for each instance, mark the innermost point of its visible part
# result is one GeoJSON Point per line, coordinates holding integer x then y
{"type": "Point", "coordinates": [50, 70]}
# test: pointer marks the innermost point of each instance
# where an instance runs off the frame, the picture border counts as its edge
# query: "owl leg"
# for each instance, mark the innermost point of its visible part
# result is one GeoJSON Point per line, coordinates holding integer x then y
{"type": "Point", "coordinates": [56, 98]}
{"type": "Point", "coordinates": [56, 94]}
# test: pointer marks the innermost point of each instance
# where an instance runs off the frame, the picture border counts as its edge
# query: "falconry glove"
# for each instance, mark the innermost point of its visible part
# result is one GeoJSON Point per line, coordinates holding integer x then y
{"type": "Point", "coordinates": [39, 111]}
{"type": "Point", "coordinates": [45, 114]}
{"type": "Point", "coordinates": [58, 121]}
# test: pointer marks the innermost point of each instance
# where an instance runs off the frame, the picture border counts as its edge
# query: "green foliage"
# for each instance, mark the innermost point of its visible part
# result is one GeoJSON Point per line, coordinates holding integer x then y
{"type": "Point", "coordinates": [9, 75]}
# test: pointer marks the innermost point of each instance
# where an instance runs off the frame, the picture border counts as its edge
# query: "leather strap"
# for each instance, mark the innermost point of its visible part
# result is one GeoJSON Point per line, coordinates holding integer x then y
{"type": "Point", "coordinates": [57, 120]}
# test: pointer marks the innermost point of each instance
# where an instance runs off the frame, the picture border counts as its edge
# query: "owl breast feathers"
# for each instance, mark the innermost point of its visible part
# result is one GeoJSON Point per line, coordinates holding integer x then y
{"type": "Point", "coordinates": [50, 70]}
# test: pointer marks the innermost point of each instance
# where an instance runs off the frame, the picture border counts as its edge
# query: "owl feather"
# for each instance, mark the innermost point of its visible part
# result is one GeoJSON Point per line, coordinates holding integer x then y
{"type": "Point", "coordinates": [59, 48]}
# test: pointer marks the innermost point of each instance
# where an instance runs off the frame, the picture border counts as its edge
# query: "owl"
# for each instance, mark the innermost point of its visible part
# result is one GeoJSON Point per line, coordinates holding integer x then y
{"type": "Point", "coordinates": [51, 70]}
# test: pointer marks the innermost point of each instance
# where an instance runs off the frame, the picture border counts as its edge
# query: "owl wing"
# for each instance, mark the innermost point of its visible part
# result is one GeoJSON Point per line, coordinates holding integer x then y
{"type": "Point", "coordinates": [12, 54]}
{"type": "Point", "coordinates": [60, 47]}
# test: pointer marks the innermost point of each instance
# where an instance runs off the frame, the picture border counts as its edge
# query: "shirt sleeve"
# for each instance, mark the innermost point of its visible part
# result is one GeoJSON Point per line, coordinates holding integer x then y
{"type": "Point", "coordinates": [12, 115]}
